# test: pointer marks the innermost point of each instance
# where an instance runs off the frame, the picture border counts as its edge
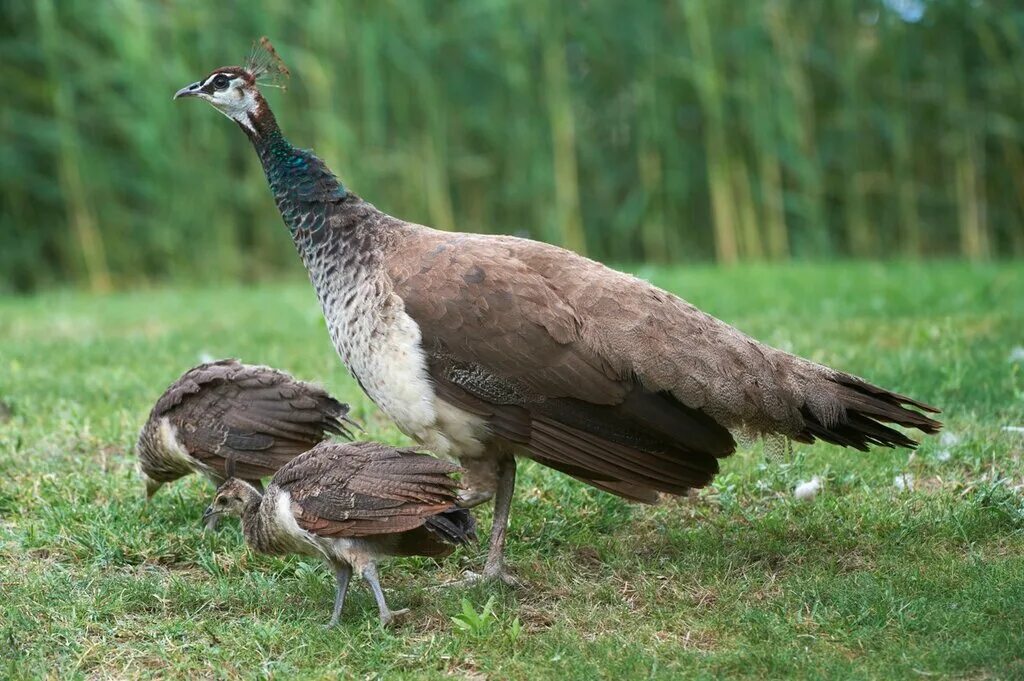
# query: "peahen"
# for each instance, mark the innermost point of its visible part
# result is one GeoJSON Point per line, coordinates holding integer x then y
{"type": "Point", "coordinates": [490, 347]}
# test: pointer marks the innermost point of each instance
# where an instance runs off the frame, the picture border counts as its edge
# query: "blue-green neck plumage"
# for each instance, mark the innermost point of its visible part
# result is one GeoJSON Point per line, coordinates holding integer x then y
{"type": "Point", "coordinates": [303, 186]}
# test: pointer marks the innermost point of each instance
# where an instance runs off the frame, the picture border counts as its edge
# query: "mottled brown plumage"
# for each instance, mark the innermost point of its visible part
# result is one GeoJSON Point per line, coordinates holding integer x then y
{"type": "Point", "coordinates": [353, 505]}
{"type": "Point", "coordinates": [490, 347]}
{"type": "Point", "coordinates": [261, 417]}
{"type": "Point", "coordinates": [561, 354]}
{"type": "Point", "coordinates": [602, 376]}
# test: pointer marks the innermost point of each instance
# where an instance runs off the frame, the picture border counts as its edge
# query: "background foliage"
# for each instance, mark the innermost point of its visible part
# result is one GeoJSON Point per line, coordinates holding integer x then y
{"type": "Point", "coordinates": [665, 131]}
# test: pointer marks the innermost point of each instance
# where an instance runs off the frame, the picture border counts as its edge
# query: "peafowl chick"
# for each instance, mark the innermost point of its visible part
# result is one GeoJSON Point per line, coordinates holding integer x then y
{"type": "Point", "coordinates": [261, 417]}
{"type": "Point", "coordinates": [352, 505]}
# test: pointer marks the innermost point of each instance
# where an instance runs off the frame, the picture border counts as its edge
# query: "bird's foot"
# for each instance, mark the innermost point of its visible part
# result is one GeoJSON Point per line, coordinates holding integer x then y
{"type": "Point", "coordinates": [389, 617]}
{"type": "Point", "coordinates": [500, 574]}
{"type": "Point", "coordinates": [473, 499]}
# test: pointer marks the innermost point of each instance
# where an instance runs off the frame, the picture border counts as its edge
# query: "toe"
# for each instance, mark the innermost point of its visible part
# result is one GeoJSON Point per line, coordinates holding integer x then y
{"type": "Point", "coordinates": [502, 575]}
{"type": "Point", "coordinates": [392, 616]}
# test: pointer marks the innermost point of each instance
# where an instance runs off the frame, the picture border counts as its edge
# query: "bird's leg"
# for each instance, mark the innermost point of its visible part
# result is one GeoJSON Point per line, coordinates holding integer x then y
{"type": "Point", "coordinates": [479, 477]}
{"type": "Point", "coordinates": [474, 499]}
{"type": "Point", "coordinates": [342, 573]}
{"type": "Point", "coordinates": [494, 568]}
{"type": "Point", "coordinates": [387, 615]}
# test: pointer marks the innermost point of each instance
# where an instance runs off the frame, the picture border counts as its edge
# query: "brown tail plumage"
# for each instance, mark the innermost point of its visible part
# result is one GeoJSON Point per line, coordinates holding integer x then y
{"type": "Point", "coordinates": [865, 410]}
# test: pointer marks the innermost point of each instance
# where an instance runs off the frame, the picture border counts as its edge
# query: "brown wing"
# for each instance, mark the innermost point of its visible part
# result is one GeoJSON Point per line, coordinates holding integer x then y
{"type": "Point", "coordinates": [608, 378]}
{"type": "Point", "coordinates": [502, 343]}
{"type": "Point", "coordinates": [366, 488]}
{"type": "Point", "coordinates": [260, 417]}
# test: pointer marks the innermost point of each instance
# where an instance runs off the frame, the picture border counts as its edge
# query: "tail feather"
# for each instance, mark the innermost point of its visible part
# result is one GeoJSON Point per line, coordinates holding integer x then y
{"type": "Point", "coordinates": [865, 408]}
{"type": "Point", "coordinates": [454, 526]}
{"type": "Point", "coordinates": [336, 419]}
{"type": "Point", "coordinates": [627, 490]}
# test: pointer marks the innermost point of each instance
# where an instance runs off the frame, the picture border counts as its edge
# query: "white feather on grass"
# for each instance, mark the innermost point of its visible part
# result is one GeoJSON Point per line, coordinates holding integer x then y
{"type": "Point", "coordinates": [904, 482]}
{"type": "Point", "coordinates": [947, 441]}
{"type": "Point", "coordinates": [807, 490]}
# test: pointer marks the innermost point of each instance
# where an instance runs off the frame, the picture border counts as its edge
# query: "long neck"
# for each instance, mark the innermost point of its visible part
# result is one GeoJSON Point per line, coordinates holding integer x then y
{"type": "Point", "coordinates": [254, 525]}
{"type": "Point", "coordinates": [302, 184]}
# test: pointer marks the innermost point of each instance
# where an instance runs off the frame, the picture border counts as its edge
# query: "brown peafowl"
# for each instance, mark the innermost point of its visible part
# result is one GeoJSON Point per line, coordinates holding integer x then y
{"type": "Point", "coordinates": [260, 416]}
{"type": "Point", "coordinates": [491, 347]}
{"type": "Point", "coordinates": [352, 505]}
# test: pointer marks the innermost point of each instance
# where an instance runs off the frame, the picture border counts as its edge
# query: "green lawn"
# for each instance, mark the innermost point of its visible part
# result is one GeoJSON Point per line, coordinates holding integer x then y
{"type": "Point", "coordinates": [865, 581]}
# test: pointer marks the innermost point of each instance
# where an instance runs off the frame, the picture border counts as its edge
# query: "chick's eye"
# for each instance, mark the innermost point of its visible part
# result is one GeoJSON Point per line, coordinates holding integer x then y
{"type": "Point", "coordinates": [220, 501]}
{"type": "Point", "coordinates": [220, 81]}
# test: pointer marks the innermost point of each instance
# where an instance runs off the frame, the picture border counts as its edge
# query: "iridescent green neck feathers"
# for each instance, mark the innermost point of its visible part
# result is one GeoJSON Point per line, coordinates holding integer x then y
{"type": "Point", "coordinates": [300, 181]}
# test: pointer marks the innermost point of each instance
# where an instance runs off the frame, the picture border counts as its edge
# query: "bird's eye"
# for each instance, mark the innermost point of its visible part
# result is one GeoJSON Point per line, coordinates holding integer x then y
{"type": "Point", "coordinates": [220, 81]}
{"type": "Point", "coordinates": [220, 501]}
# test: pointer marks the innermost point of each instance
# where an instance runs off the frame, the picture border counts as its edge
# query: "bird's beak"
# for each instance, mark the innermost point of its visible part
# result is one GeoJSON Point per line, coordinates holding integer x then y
{"type": "Point", "coordinates": [189, 90]}
{"type": "Point", "coordinates": [151, 487]}
{"type": "Point", "coordinates": [211, 518]}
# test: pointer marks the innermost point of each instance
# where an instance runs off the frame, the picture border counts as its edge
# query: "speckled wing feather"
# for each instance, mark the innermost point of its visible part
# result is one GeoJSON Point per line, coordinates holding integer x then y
{"type": "Point", "coordinates": [608, 378]}
{"type": "Point", "coordinates": [260, 417]}
{"type": "Point", "coordinates": [502, 343]}
{"type": "Point", "coordinates": [366, 488]}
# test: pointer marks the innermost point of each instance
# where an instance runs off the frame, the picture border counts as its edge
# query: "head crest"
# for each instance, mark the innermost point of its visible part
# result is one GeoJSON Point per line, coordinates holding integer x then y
{"type": "Point", "coordinates": [229, 466]}
{"type": "Point", "coordinates": [266, 65]}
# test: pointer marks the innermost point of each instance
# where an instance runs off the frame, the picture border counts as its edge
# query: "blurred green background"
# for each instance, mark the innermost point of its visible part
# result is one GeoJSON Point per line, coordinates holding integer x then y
{"type": "Point", "coordinates": [669, 132]}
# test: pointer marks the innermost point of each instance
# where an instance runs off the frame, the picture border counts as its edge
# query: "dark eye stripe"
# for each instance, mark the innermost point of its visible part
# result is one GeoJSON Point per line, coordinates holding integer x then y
{"type": "Point", "coordinates": [217, 81]}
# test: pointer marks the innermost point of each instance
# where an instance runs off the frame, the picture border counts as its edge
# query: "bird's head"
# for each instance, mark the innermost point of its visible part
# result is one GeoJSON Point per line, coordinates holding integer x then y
{"type": "Point", "coordinates": [231, 90]}
{"type": "Point", "coordinates": [231, 499]}
{"type": "Point", "coordinates": [146, 466]}
{"type": "Point", "coordinates": [234, 90]}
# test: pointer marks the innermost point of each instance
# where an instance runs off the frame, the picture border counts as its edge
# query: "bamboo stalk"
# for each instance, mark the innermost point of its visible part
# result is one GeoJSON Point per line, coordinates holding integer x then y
{"type": "Point", "coordinates": [80, 215]}
{"type": "Point", "coordinates": [906, 188]}
{"type": "Point", "coordinates": [788, 36]}
{"type": "Point", "coordinates": [768, 175]}
{"type": "Point", "coordinates": [706, 81]}
{"type": "Point", "coordinates": [563, 133]}
{"type": "Point", "coordinates": [859, 236]}
{"type": "Point", "coordinates": [652, 229]}
{"type": "Point", "coordinates": [746, 211]}
{"type": "Point", "coordinates": [973, 232]}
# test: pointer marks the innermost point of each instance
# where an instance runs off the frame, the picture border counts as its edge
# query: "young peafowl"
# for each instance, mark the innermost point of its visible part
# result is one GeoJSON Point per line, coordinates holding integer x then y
{"type": "Point", "coordinates": [488, 347]}
{"type": "Point", "coordinates": [261, 417]}
{"type": "Point", "coordinates": [352, 505]}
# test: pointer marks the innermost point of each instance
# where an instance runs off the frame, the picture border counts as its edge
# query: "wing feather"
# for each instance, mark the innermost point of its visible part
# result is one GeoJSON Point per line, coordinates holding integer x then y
{"type": "Point", "coordinates": [366, 488]}
{"type": "Point", "coordinates": [503, 343]}
{"type": "Point", "coordinates": [260, 417]}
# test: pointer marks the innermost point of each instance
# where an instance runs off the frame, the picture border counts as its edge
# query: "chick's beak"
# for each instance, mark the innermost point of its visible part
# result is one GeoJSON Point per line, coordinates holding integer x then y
{"type": "Point", "coordinates": [151, 487]}
{"type": "Point", "coordinates": [210, 518]}
{"type": "Point", "coordinates": [189, 90]}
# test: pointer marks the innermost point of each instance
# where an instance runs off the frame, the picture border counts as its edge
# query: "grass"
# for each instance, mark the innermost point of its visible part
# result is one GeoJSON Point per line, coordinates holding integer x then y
{"type": "Point", "coordinates": [740, 580]}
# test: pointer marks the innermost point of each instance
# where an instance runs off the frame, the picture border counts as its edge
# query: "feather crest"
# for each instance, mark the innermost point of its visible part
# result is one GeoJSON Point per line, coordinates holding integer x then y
{"type": "Point", "coordinates": [266, 65]}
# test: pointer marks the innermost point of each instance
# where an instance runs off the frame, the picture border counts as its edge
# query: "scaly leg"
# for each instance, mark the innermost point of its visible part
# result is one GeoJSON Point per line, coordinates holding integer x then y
{"type": "Point", "coordinates": [474, 499]}
{"type": "Point", "coordinates": [342, 573]}
{"type": "Point", "coordinates": [387, 615]}
{"type": "Point", "coordinates": [494, 568]}
{"type": "Point", "coordinates": [480, 476]}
